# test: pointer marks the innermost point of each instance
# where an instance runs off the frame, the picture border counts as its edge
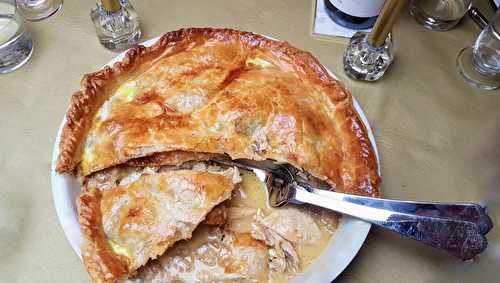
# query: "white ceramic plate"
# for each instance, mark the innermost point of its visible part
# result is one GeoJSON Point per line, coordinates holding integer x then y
{"type": "Point", "coordinates": [345, 243]}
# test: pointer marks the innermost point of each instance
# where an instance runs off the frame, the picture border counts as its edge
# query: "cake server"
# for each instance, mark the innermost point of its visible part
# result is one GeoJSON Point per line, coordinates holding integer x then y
{"type": "Point", "coordinates": [458, 228]}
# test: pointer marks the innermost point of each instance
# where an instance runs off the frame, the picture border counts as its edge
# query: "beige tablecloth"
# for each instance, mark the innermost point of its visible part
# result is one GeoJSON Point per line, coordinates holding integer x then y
{"type": "Point", "coordinates": [438, 138]}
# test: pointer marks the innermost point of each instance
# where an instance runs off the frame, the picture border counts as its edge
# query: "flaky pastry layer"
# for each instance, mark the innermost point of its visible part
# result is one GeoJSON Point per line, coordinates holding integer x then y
{"type": "Point", "coordinates": [125, 226]}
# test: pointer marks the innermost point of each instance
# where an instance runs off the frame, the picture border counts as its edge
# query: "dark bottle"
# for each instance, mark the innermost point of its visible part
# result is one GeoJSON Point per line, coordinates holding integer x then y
{"type": "Point", "coordinates": [354, 14]}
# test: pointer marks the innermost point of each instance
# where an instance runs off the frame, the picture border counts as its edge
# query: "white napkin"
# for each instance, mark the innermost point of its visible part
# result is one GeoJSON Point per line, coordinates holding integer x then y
{"type": "Point", "coordinates": [323, 25]}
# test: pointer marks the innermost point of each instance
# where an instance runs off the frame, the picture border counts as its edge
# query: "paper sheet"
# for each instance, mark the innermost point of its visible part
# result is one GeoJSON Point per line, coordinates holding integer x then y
{"type": "Point", "coordinates": [324, 25]}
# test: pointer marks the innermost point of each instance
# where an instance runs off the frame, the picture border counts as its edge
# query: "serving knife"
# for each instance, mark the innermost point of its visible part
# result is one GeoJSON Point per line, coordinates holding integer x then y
{"type": "Point", "coordinates": [458, 228]}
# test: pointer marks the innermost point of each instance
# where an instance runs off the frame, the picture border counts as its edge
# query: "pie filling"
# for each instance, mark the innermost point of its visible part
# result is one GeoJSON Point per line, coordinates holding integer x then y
{"type": "Point", "coordinates": [242, 240]}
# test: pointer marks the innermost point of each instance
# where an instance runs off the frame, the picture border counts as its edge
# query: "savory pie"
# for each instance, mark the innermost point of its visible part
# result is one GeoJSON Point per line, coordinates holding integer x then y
{"type": "Point", "coordinates": [165, 111]}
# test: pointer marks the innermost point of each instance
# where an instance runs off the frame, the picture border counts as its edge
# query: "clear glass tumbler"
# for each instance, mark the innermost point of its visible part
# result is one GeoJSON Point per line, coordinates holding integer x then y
{"type": "Point", "coordinates": [16, 45]}
{"type": "Point", "coordinates": [439, 15]}
{"type": "Point", "coordinates": [37, 10]}
{"type": "Point", "coordinates": [479, 65]}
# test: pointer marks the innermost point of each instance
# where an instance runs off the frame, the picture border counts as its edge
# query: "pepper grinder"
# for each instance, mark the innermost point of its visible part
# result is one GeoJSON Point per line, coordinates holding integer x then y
{"type": "Point", "coordinates": [369, 55]}
{"type": "Point", "coordinates": [116, 23]}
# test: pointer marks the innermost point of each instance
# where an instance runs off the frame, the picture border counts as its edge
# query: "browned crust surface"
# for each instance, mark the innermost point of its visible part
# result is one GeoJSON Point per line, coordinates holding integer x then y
{"type": "Point", "coordinates": [101, 262]}
{"type": "Point", "coordinates": [96, 87]}
{"type": "Point", "coordinates": [92, 94]}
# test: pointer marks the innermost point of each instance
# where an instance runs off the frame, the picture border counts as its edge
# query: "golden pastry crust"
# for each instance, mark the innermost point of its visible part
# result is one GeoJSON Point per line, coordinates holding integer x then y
{"type": "Point", "coordinates": [125, 226]}
{"type": "Point", "coordinates": [101, 262]}
{"type": "Point", "coordinates": [221, 91]}
{"type": "Point", "coordinates": [92, 94]}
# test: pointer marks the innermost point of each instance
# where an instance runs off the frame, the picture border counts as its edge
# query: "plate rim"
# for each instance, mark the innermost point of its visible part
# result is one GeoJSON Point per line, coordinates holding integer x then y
{"type": "Point", "coordinates": [315, 272]}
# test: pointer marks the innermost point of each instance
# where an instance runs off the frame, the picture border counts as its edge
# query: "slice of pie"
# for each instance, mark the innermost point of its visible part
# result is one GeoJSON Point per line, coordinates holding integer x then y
{"type": "Point", "coordinates": [129, 224]}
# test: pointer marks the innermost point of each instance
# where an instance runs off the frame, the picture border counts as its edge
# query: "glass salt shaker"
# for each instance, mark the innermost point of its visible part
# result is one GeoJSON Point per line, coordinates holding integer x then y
{"type": "Point", "coordinates": [116, 23]}
{"type": "Point", "coordinates": [369, 55]}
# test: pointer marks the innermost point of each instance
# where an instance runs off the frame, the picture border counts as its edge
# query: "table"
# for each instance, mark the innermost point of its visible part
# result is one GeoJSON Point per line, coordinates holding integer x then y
{"type": "Point", "coordinates": [438, 138]}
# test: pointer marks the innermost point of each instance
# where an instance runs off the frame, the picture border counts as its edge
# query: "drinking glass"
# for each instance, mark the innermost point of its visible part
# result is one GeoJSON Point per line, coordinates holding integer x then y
{"type": "Point", "coordinates": [479, 65]}
{"type": "Point", "coordinates": [439, 15]}
{"type": "Point", "coordinates": [16, 45]}
{"type": "Point", "coordinates": [37, 10]}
